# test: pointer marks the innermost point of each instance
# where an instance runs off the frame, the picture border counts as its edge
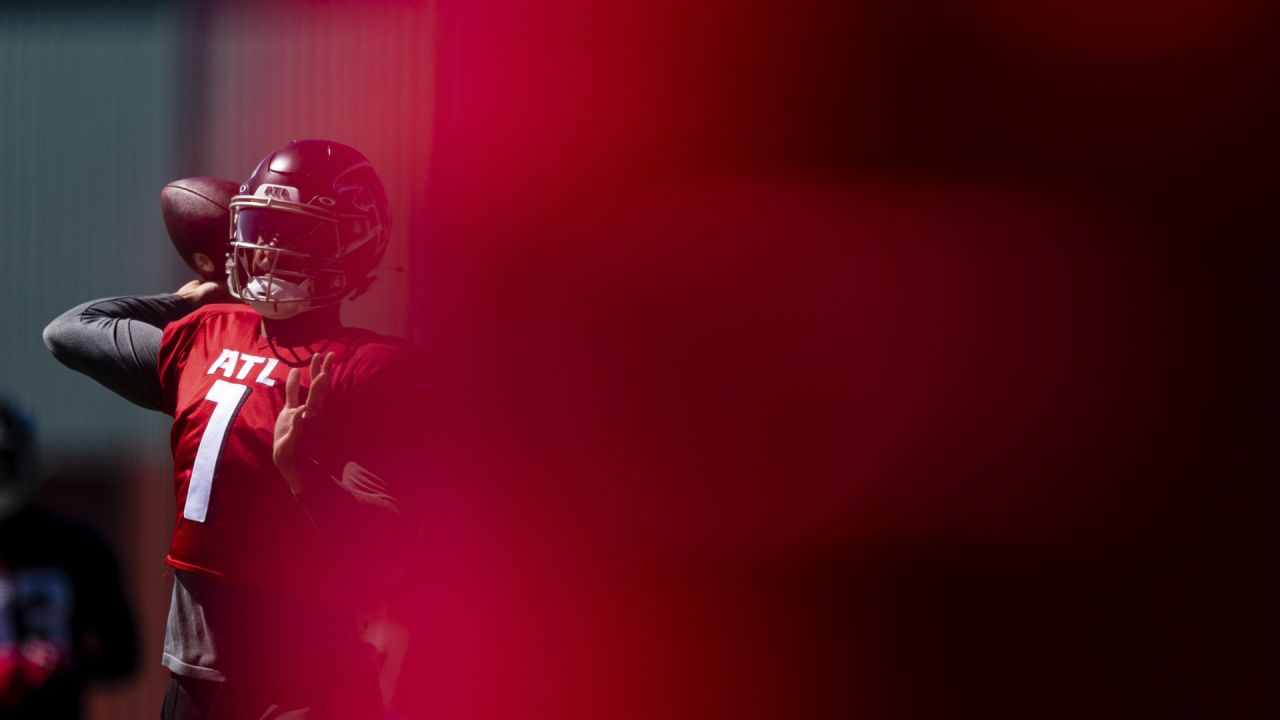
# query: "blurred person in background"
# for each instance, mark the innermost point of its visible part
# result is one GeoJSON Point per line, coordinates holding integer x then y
{"type": "Point", "coordinates": [63, 618]}
{"type": "Point", "coordinates": [294, 443]}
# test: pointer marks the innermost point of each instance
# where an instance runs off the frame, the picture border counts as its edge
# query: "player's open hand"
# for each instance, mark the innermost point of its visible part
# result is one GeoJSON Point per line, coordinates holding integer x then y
{"type": "Point", "coordinates": [296, 424]}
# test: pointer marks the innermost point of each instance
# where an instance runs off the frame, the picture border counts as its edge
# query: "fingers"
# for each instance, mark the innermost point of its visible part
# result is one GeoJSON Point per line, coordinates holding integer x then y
{"type": "Point", "coordinates": [320, 383]}
{"type": "Point", "coordinates": [191, 292]}
{"type": "Point", "coordinates": [291, 384]}
{"type": "Point", "coordinates": [321, 379]}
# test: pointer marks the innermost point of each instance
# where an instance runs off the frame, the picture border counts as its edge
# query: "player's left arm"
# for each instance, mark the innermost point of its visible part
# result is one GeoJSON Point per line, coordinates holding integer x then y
{"type": "Point", "coordinates": [352, 465]}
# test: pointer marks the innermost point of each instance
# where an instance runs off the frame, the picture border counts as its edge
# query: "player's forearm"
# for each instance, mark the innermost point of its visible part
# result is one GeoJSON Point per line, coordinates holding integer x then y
{"type": "Point", "coordinates": [357, 510]}
{"type": "Point", "coordinates": [116, 341]}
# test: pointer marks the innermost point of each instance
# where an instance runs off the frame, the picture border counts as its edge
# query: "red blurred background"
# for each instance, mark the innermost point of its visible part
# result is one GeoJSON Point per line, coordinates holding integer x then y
{"type": "Point", "coordinates": [849, 359]}
{"type": "Point", "coordinates": [808, 359]}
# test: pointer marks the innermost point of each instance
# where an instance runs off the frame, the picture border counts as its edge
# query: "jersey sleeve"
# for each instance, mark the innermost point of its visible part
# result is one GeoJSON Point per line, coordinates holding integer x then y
{"type": "Point", "coordinates": [175, 348]}
{"type": "Point", "coordinates": [116, 342]}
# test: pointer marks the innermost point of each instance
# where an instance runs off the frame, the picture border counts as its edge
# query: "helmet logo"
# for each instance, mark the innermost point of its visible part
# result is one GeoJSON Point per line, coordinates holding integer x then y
{"type": "Point", "coordinates": [277, 192]}
{"type": "Point", "coordinates": [353, 185]}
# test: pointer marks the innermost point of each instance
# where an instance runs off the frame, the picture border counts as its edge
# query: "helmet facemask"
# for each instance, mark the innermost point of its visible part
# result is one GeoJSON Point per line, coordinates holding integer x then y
{"type": "Point", "coordinates": [285, 258]}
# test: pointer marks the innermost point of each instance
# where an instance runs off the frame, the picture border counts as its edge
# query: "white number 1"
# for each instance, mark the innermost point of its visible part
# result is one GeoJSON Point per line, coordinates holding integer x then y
{"type": "Point", "coordinates": [227, 399]}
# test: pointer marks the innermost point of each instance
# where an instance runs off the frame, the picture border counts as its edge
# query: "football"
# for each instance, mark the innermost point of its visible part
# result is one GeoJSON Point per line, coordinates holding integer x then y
{"type": "Point", "coordinates": [197, 216]}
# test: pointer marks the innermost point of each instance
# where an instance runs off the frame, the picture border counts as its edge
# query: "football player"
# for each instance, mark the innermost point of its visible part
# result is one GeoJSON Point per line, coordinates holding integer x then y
{"type": "Point", "coordinates": [293, 442]}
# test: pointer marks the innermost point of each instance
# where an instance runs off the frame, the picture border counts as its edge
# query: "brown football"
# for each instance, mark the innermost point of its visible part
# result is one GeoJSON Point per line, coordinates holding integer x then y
{"type": "Point", "coordinates": [197, 215]}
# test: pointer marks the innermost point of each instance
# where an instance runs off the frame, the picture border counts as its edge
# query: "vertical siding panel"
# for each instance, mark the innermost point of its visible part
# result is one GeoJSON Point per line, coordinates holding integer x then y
{"type": "Point", "coordinates": [86, 122]}
{"type": "Point", "coordinates": [356, 72]}
{"type": "Point", "coordinates": [86, 138]}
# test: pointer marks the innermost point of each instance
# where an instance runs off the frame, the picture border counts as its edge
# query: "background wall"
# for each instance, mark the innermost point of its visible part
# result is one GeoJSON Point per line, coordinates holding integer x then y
{"type": "Point", "coordinates": [87, 135]}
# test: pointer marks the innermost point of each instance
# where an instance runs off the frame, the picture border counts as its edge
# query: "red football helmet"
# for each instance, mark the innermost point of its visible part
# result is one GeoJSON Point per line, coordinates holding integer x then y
{"type": "Point", "coordinates": [308, 229]}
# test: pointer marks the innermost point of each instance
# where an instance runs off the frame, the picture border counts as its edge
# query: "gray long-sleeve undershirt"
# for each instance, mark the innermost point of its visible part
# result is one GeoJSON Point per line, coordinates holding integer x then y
{"type": "Point", "coordinates": [116, 341]}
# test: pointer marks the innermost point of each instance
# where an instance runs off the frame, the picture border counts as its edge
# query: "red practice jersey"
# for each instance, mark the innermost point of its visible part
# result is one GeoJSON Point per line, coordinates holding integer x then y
{"type": "Point", "coordinates": [224, 385]}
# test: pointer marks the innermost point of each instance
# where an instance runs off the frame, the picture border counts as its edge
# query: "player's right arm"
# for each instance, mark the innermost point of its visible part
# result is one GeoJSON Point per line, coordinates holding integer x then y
{"type": "Point", "coordinates": [116, 341]}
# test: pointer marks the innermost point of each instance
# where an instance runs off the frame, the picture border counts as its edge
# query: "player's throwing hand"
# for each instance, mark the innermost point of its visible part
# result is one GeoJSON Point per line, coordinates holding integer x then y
{"type": "Point", "coordinates": [202, 292]}
{"type": "Point", "coordinates": [296, 421]}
